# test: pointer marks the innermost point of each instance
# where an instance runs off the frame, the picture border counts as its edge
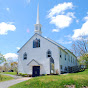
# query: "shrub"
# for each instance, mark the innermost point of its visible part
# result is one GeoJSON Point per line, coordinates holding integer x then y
{"type": "Point", "coordinates": [24, 75]}
{"type": "Point", "coordinates": [20, 74]}
{"type": "Point", "coordinates": [43, 74]}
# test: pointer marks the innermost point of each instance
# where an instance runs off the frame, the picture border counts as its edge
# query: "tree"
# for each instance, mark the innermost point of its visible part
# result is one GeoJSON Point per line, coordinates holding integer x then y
{"type": "Point", "coordinates": [84, 60]}
{"type": "Point", "coordinates": [2, 58]}
{"type": "Point", "coordinates": [14, 66]}
{"type": "Point", "coordinates": [80, 48]}
{"type": "Point", "coordinates": [6, 67]}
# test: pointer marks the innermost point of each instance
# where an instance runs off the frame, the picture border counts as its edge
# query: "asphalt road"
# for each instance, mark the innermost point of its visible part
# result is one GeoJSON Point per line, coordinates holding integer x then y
{"type": "Point", "coordinates": [17, 79]}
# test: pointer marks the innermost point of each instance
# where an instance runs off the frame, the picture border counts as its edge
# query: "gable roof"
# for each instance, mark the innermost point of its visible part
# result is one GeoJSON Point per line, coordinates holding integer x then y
{"type": "Point", "coordinates": [26, 42]}
{"type": "Point", "coordinates": [34, 61]}
{"type": "Point", "coordinates": [61, 46]}
{"type": "Point", "coordinates": [55, 43]}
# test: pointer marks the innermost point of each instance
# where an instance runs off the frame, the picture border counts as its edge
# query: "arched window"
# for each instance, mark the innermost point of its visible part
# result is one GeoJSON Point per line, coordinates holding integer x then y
{"type": "Point", "coordinates": [60, 66]}
{"type": "Point", "coordinates": [65, 56]}
{"type": "Point", "coordinates": [25, 56]}
{"type": "Point", "coordinates": [65, 69]}
{"type": "Point", "coordinates": [71, 59]}
{"type": "Point", "coordinates": [48, 53]}
{"type": "Point", "coordinates": [60, 53]}
{"type": "Point", "coordinates": [36, 43]}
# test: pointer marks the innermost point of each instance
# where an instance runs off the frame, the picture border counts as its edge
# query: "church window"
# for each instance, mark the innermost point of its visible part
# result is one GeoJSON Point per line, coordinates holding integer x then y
{"type": "Point", "coordinates": [65, 56]}
{"type": "Point", "coordinates": [60, 53]}
{"type": "Point", "coordinates": [48, 53]}
{"type": "Point", "coordinates": [65, 69]}
{"type": "Point", "coordinates": [25, 56]}
{"type": "Point", "coordinates": [68, 58]}
{"type": "Point", "coordinates": [75, 60]}
{"type": "Point", "coordinates": [36, 43]}
{"type": "Point", "coordinates": [60, 66]}
{"type": "Point", "coordinates": [36, 27]}
{"type": "Point", "coordinates": [71, 59]}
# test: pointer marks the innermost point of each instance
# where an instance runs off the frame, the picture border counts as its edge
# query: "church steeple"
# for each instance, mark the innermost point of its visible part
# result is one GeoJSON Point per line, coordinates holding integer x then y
{"type": "Point", "coordinates": [38, 21]}
{"type": "Point", "coordinates": [38, 25]}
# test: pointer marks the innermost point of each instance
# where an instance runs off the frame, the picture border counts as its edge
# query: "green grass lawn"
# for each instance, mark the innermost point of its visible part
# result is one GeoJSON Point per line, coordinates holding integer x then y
{"type": "Point", "coordinates": [12, 73]}
{"type": "Point", "coordinates": [56, 81]}
{"type": "Point", "coordinates": [5, 78]}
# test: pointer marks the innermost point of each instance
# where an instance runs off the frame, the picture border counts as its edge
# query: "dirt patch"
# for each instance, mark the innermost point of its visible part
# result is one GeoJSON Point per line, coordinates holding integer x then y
{"type": "Point", "coordinates": [85, 87]}
{"type": "Point", "coordinates": [73, 86]}
{"type": "Point", "coordinates": [69, 86]}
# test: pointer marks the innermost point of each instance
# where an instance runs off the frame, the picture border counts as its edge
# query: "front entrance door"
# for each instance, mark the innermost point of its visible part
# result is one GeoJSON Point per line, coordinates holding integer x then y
{"type": "Point", "coordinates": [35, 71]}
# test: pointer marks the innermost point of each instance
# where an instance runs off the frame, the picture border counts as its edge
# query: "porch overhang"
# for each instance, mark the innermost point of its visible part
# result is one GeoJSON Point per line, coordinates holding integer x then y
{"type": "Point", "coordinates": [34, 63]}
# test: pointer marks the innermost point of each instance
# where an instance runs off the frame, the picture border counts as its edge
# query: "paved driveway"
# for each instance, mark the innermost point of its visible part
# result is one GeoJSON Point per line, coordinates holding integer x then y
{"type": "Point", "coordinates": [17, 79]}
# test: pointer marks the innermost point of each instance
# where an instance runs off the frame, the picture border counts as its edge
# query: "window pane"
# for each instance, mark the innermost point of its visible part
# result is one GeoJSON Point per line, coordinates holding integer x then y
{"type": "Point", "coordinates": [60, 66]}
{"type": "Point", "coordinates": [36, 43]}
{"type": "Point", "coordinates": [25, 56]}
{"type": "Point", "coordinates": [60, 53]}
{"type": "Point", "coordinates": [48, 53]}
{"type": "Point", "coordinates": [65, 57]}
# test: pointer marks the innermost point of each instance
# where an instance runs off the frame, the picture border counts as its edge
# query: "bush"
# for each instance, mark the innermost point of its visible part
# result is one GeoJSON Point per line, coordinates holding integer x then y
{"type": "Point", "coordinates": [20, 74]}
{"type": "Point", "coordinates": [24, 75]}
{"type": "Point", "coordinates": [43, 74]}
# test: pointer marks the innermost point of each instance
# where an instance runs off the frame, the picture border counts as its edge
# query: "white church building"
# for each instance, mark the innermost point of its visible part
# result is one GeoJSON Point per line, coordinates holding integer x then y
{"type": "Point", "coordinates": [40, 55]}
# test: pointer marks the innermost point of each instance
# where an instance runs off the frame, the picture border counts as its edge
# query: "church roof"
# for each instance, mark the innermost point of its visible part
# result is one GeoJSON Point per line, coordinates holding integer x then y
{"type": "Point", "coordinates": [55, 43]}
{"type": "Point", "coordinates": [34, 61]}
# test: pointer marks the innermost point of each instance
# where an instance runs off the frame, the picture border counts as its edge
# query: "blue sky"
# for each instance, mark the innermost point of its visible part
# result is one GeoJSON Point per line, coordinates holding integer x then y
{"type": "Point", "coordinates": [62, 21]}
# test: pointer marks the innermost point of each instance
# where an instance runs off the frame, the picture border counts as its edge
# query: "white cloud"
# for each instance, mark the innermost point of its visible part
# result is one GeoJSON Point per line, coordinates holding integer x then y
{"type": "Point", "coordinates": [60, 8]}
{"type": "Point", "coordinates": [64, 42]}
{"type": "Point", "coordinates": [61, 21]}
{"type": "Point", "coordinates": [5, 27]}
{"type": "Point", "coordinates": [55, 30]}
{"type": "Point", "coordinates": [59, 17]}
{"type": "Point", "coordinates": [11, 56]}
{"type": "Point", "coordinates": [18, 48]}
{"type": "Point", "coordinates": [86, 18]}
{"type": "Point", "coordinates": [83, 31]}
{"type": "Point", "coordinates": [71, 14]}
{"type": "Point", "coordinates": [8, 9]}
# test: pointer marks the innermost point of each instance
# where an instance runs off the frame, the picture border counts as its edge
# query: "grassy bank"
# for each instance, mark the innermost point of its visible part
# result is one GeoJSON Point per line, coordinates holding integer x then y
{"type": "Point", "coordinates": [5, 78]}
{"type": "Point", "coordinates": [55, 81]}
{"type": "Point", "coordinates": [12, 73]}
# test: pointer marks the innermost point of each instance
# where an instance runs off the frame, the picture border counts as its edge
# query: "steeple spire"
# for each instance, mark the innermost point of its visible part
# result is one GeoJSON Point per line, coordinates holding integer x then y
{"type": "Point", "coordinates": [38, 25]}
{"type": "Point", "coordinates": [38, 22]}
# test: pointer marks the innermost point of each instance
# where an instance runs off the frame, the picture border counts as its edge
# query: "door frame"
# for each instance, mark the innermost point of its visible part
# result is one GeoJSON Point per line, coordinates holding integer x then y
{"type": "Point", "coordinates": [36, 70]}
